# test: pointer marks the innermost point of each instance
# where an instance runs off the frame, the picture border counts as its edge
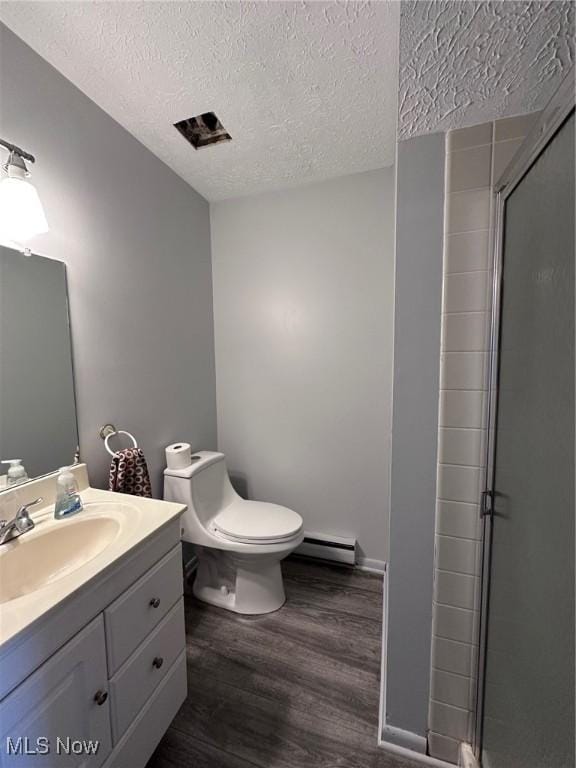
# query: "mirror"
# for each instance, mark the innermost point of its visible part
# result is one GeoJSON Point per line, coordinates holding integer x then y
{"type": "Point", "coordinates": [37, 404]}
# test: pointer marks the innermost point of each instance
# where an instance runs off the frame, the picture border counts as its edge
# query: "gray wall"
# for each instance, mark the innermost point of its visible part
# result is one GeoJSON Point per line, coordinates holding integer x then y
{"type": "Point", "coordinates": [136, 242]}
{"type": "Point", "coordinates": [419, 245]}
{"type": "Point", "coordinates": [303, 298]}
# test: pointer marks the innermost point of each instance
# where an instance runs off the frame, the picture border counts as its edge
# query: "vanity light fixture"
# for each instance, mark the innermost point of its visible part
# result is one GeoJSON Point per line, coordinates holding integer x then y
{"type": "Point", "coordinates": [21, 212]}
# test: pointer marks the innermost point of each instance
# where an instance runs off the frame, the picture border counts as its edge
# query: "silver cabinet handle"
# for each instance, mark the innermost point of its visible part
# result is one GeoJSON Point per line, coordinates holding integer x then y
{"type": "Point", "coordinates": [100, 697]}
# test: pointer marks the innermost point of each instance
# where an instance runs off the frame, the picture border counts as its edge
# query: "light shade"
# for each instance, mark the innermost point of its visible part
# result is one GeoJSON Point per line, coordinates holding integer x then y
{"type": "Point", "coordinates": [21, 212]}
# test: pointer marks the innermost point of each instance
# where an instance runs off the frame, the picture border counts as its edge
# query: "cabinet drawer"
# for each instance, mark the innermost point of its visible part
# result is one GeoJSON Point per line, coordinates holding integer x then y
{"type": "Point", "coordinates": [135, 613]}
{"type": "Point", "coordinates": [134, 684]}
{"type": "Point", "coordinates": [141, 739]}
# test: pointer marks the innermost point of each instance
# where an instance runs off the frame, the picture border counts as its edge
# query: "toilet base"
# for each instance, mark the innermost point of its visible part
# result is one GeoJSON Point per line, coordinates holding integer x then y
{"type": "Point", "coordinates": [245, 584]}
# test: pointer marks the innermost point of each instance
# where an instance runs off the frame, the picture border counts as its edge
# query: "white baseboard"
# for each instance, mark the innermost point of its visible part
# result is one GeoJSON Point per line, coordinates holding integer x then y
{"type": "Point", "coordinates": [371, 565]}
{"type": "Point", "coordinates": [404, 739]}
{"type": "Point", "coordinates": [410, 754]}
{"type": "Point", "coordinates": [322, 546]}
{"type": "Point", "coordinates": [466, 757]}
{"type": "Point", "coordinates": [383, 654]}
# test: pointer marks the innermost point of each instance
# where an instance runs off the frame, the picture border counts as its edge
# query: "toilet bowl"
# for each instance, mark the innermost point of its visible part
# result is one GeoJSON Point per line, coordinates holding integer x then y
{"type": "Point", "coordinates": [239, 543]}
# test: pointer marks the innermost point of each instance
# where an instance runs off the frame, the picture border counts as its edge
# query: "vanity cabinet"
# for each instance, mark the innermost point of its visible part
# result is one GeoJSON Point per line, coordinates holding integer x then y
{"type": "Point", "coordinates": [117, 679]}
{"type": "Point", "coordinates": [61, 705]}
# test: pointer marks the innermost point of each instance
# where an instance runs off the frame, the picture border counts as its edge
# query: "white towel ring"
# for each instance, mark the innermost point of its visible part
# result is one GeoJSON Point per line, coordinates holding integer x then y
{"type": "Point", "coordinates": [119, 432]}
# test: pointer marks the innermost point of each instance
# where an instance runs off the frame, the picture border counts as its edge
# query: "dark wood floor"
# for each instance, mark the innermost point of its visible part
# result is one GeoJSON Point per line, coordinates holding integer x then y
{"type": "Point", "coordinates": [294, 689]}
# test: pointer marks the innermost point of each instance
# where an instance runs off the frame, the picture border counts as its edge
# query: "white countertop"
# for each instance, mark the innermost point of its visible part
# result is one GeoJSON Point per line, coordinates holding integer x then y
{"type": "Point", "coordinates": [129, 522]}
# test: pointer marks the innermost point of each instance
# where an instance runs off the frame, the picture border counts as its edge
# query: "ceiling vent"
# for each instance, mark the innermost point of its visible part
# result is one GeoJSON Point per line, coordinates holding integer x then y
{"type": "Point", "coordinates": [203, 130]}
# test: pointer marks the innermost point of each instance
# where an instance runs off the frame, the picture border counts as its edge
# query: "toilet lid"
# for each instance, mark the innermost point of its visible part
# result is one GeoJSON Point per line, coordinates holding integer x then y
{"type": "Point", "coordinates": [257, 522]}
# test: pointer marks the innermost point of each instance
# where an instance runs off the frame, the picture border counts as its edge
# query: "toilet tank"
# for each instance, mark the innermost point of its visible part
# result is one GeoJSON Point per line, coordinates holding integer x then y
{"type": "Point", "coordinates": [204, 487]}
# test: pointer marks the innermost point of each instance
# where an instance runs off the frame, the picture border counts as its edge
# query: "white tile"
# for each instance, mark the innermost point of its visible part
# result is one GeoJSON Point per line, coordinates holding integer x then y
{"type": "Point", "coordinates": [454, 623]}
{"type": "Point", "coordinates": [451, 656]}
{"type": "Point", "coordinates": [460, 483]}
{"type": "Point", "coordinates": [504, 151]}
{"type": "Point", "coordinates": [463, 408]}
{"type": "Point", "coordinates": [463, 370]}
{"type": "Point", "coordinates": [443, 747]}
{"type": "Point", "coordinates": [450, 689]}
{"type": "Point", "coordinates": [468, 251]}
{"type": "Point", "coordinates": [514, 127]}
{"type": "Point", "coordinates": [455, 589]}
{"type": "Point", "coordinates": [462, 446]}
{"type": "Point", "coordinates": [449, 721]}
{"type": "Point", "coordinates": [467, 292]}
{"type": "Point", "coordinates": [468, 211]}
{"type": "Point", "coordinates": [461, 138]}
{"type": "Point", "coordinates": [469, 168]}
{"type": "Point", "coordinates": [466, 331]}
{"type": "Point", "coordinates": [455, 518]}
{"type": "Point", "coordinates": [459, 555]}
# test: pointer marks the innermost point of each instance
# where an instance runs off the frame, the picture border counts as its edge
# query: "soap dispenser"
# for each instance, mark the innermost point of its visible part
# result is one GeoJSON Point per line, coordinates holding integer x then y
{"type": "Point", "coordinates": [68, 501]}
{"type": "Point", "coordinates": [16, 473]}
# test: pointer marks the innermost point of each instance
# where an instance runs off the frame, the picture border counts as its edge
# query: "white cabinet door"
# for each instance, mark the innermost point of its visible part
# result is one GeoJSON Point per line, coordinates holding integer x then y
{"type": "Point", "coordinates": [60, 716]}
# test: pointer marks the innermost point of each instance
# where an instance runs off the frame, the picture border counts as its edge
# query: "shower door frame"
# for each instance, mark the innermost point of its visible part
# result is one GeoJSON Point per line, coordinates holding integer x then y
{"type": "Point", "coordinates": [559, 108]}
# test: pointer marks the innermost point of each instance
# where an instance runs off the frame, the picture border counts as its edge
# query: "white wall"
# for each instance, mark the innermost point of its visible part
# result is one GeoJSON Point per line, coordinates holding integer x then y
{"type": "Point", "coordinates": [136, 242]}
{"type": "Point", "coordinates": [303, 304]}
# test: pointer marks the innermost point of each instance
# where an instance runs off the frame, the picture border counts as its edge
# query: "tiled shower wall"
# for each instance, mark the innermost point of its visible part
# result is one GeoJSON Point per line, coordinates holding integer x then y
{"type": "Point", "coordinates": [475, 159]}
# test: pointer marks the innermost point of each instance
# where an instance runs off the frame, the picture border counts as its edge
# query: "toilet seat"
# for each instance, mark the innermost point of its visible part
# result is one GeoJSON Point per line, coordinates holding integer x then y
{"type": "Point", "coordinates": [257, 522]}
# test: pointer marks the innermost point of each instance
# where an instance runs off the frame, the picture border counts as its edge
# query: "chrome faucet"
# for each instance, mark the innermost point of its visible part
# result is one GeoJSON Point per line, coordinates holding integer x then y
{"type": "Point", "coordinates": [22, 522]}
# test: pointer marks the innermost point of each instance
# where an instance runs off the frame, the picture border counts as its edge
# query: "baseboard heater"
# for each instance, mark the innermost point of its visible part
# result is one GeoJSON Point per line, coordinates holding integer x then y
{"type": "Point", "coordinates": [337, 549]}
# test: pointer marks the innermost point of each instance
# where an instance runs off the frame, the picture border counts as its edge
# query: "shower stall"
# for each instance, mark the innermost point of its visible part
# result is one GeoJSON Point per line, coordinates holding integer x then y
{"type": "Point", "coordinates": [525, 696]}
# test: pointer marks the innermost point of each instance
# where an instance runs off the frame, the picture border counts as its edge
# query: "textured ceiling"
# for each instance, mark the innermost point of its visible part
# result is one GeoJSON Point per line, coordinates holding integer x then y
{"type": "Point", "coordinates": [463, 63]}
{"type": "Point", "coordinates": [308, 90]}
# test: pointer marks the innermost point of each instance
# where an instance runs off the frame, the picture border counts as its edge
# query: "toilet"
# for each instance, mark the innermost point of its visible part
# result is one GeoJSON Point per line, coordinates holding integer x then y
{"type": "Point", "coordinates": [239, 543]}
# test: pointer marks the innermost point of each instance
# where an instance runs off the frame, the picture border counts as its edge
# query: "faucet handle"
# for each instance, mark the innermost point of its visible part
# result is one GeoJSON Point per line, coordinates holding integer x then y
{"type": "Point", "coordinates": [23, 511]}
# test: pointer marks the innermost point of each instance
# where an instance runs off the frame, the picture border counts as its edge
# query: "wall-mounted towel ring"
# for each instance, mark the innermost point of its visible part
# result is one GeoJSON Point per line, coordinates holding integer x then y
{"type": "Point", "coordinates": [109, 430]}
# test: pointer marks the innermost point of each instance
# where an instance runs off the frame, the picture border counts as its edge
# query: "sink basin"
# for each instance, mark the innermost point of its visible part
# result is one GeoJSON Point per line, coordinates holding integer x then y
{"type": "Point", "coordinates": [51, 551]}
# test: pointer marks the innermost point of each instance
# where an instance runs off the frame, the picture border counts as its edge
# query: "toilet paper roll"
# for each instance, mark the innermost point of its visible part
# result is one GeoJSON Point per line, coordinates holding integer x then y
{"type": "Point", "coordinates": [178, 456]}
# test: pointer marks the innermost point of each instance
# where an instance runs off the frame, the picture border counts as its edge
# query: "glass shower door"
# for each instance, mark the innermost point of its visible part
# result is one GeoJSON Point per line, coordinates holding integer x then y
{"type": "Point", "coordinates": [528, 714]}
